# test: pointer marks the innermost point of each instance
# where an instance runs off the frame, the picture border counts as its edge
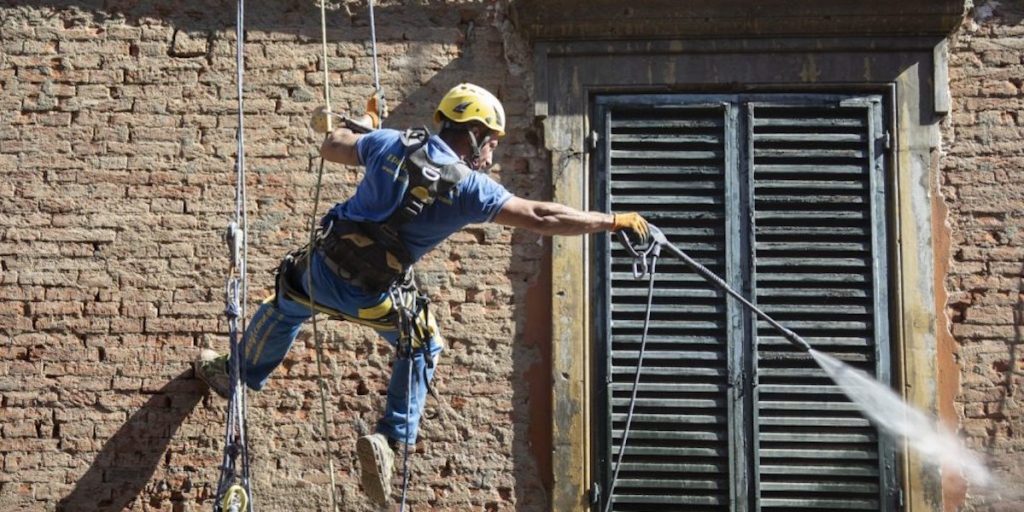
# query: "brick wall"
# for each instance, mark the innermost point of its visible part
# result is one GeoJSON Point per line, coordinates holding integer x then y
{"type": "Point", "coordinates": [117, 127]}
{"type": "Point", "coordinates": [117, 141]}
{"type": "Point", "coordinates": [982, 183]}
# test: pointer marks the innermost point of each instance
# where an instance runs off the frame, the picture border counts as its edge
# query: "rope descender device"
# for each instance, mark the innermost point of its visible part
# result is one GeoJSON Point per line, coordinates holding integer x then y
{"type": "Point", "coordinates": [234, 237]}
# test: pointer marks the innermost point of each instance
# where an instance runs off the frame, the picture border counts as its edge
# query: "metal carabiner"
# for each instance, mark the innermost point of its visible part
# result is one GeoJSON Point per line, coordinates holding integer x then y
{"type": "Point", "coordinates": [640, 253]}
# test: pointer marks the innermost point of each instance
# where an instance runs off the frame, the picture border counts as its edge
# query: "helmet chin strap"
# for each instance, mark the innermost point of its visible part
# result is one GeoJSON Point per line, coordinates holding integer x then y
{"type": "Point", "coordinates": [476, 146]}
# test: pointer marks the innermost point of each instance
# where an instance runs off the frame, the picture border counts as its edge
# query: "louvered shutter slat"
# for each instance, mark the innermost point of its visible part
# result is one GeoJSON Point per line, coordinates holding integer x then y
{"type": "Point", "coordinates": [823, 470]}
{"type": "Point", "coordinates": [778, 194]}
{"type": "Point", "coordinates": [811, 169]}
{"type": "Point", "coordinates": [670, 166]}
{"type": "Point", "coordinates": [796, 169]}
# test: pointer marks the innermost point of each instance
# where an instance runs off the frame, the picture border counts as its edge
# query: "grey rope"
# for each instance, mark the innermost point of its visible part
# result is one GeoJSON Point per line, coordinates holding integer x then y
{"type": "Point", "coordinates": [324, 424]}
{"type": "Point", "coordinates": [654, 251]}
{"type": "Point", "coordinates": [376, 69]}
{"type": "Point", "coordinates": [236, 299]}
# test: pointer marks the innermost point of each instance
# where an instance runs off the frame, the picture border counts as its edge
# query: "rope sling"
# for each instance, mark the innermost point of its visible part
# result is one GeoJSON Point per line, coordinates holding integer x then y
{"type": "Point", "coordinates": [233, 485]}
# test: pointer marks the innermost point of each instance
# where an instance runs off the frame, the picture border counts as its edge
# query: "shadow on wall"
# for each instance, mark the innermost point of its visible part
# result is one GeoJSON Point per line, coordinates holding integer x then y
{"type": "Point", "coordinates": [127, 461]}
{"type": "Point", "coordinates": [1007, 12]}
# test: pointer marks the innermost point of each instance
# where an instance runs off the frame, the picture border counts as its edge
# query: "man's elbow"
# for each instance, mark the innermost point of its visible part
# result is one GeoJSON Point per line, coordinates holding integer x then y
{"type": "Point", "coordinates": [338, 147]}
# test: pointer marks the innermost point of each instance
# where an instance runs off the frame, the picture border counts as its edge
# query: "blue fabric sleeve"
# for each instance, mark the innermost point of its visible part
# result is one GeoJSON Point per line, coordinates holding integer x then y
{"type": "Point", "coordinates": [481, 198]}
{"type": "Point", "coordinates": [372, 148]}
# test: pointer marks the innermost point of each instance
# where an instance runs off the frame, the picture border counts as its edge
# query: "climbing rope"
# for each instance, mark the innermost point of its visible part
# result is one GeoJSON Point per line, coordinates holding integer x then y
{"type": "Point", "coordinates": [408, 309]}
{"type": "Point", "coordinates": [233, 485]}
{"type": "Point", "coordinates": [325, 424]}
{"type": "Point", "coordinates": [377, 91]}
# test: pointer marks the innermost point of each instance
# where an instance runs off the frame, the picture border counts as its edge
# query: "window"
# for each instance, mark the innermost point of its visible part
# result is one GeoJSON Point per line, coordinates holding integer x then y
{"type": "Point", "coordinates": [784, 197]}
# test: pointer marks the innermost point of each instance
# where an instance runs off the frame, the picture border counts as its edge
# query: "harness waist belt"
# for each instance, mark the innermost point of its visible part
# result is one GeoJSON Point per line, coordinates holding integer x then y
{"type": "Point", "coordinates": [363, 255]}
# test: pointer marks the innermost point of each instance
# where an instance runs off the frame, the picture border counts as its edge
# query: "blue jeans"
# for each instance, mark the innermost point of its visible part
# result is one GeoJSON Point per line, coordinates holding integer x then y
{"type": "Point", "coordinates": [274, 326]}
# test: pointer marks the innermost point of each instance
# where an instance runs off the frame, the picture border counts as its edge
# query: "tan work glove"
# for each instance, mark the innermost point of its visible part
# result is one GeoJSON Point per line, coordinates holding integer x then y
{"type": "Point", "coordinates": [633, 222]}
{"type": "Point", "coordinates": [376, 108]}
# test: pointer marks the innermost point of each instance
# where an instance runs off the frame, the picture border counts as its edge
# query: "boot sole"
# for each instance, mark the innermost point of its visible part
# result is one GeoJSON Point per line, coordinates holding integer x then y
{"type": "Point", "coordinates": [197, 369]}
{"type": "Point", "coordinates": [375, 485]}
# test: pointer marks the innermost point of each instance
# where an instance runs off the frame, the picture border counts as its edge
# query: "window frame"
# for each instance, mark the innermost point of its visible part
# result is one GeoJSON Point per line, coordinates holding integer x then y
{"type": "Point", "coordinates": [911, 70]}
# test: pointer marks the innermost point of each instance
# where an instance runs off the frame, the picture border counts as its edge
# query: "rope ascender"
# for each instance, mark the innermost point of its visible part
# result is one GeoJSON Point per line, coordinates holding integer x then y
{"type": "Point", "coordinates": [233, 486]}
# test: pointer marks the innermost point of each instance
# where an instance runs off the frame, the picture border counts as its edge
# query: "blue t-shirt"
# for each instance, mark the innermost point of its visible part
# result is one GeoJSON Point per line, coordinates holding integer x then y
{"type": "Point", "coordinates": [477, 198]}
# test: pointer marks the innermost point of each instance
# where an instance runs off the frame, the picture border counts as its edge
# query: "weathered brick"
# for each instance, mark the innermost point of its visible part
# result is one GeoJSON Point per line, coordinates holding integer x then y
{"type": "Point", "coordinates": [55, 308]}
{"type": "Point", "coordinates": [94, 47]}
{"type": "Point", "coordinates": [15, 429]}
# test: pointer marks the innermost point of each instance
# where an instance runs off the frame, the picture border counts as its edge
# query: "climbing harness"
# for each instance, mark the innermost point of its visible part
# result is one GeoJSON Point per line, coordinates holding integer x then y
{"type": "Point", "coordinates": [371, 255]}
{"type": "Point", "coordinates": [233, 486]}
{"type": "Point", "coordinates": [645, 255]}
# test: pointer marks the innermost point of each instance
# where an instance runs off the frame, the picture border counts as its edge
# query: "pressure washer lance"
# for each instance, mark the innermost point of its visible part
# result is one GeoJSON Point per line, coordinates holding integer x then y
{"type": "Point", "coordinates": [642, 248]}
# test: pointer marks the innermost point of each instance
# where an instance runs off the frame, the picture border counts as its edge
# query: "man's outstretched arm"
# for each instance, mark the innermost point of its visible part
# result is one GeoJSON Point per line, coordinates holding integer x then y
{"type": "Point", "coordinates": [549, 219]}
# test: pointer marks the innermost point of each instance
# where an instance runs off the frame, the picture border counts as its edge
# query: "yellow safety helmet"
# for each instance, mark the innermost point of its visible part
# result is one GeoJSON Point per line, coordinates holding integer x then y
{"type": "Point", "coordinates": [467, 102]}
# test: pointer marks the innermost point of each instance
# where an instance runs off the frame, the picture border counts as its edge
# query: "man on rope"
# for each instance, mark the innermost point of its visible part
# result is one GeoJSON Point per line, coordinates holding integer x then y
{"type": "Point", "coordinates": [418, 189]}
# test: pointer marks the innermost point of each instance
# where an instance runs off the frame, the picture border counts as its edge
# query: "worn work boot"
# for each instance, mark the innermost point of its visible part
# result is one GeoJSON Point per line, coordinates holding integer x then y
{"type": "Point", "coordinates": [376, 463]}
{"type": "Point", "coordinates": [212, 368]}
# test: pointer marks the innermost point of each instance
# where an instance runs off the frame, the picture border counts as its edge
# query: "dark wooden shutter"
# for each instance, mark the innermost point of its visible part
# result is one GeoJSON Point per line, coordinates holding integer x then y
{"type": "Point", "coordinates": [786, 202]}
{"type": "Point", "coordinates": [819, 268]}
{"type": "Point", "coordinates": [670, 164]}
